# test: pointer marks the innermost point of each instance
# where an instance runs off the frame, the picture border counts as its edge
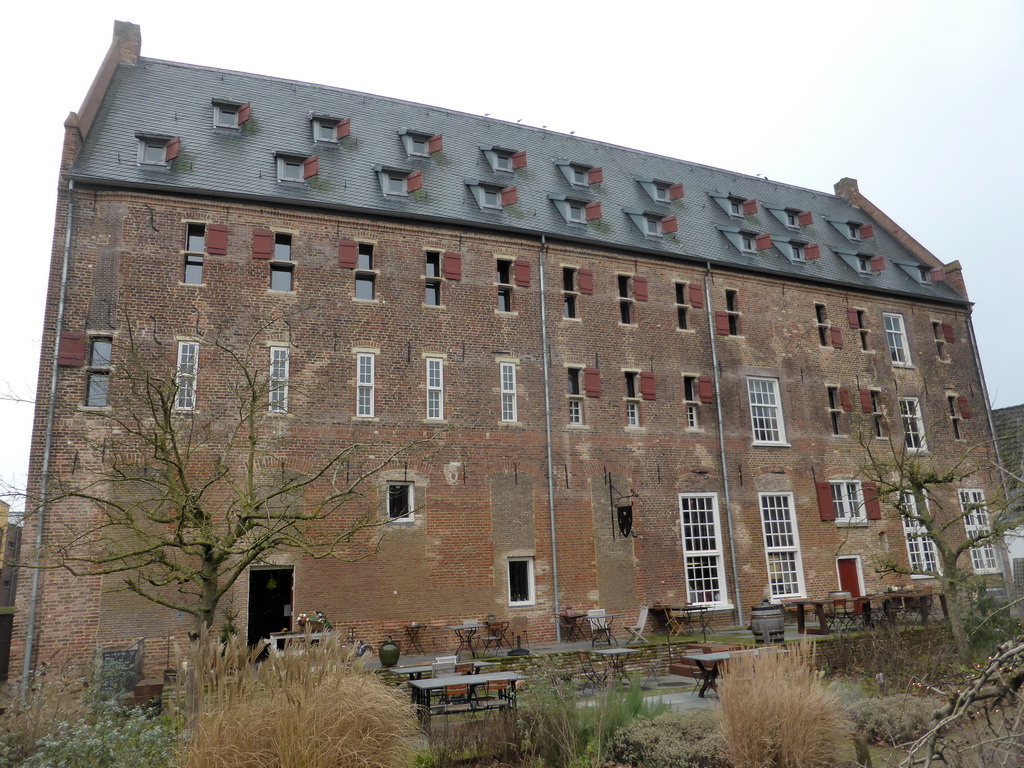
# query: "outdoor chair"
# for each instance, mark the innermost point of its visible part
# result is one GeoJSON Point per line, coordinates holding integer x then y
{"type": "Point", "coordinates": [654, 667]}
{"type": "Point", "coordinates": [497, 635]}
{"type": "Point", "coordinates": [679, 622]}
{"type": "Point", "coordinates": [465, 669]}
{"type": "Point", "coordinates": [455, 697]}
{"type": "Point", "coordinates": [440, 668]}
{"type": "Point", "coordinates": [636, 632]}
{"type": "Point", "coordinates": [841, 615]}
{"type": "Point", "coordinates": [600, 627]}
{"type": "Point", "coordinates": [592, 676]}
{"type": "Point", "coordinates": [492, 695]}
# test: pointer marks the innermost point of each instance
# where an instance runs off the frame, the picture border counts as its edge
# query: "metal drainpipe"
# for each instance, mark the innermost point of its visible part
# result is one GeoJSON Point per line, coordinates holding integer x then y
{"type": "Point", "coordinates": [721, 445]}
{"type": "Point", "coordinates": [547, 436]}
{"type": "Point", "coordinates": [33, 605]}
{"type": "Point", "coordinates": [995, 443]}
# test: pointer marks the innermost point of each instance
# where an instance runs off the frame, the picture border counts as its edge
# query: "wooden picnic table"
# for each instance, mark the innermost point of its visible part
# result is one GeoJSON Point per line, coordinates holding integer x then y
{"type": "Point", "coordinates": [708, 666]}
{"type": "Point", "coordinates": [423, 689]}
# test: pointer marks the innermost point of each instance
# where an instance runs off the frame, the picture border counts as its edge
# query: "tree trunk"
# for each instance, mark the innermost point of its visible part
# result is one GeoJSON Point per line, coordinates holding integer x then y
{"type": "Point", "coordinates": [207, 599]}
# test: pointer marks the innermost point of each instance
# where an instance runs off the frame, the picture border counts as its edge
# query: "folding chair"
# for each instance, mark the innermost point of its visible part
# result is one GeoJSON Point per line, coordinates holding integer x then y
{"type": "Point", "coordinates": [445, 665]}
{"type": "Point", "coordinates": [497, 635]}
{"type": "Point", "coordinates": [600, 627]}
{"type": "Point", "coordinates": [636, 632]}
{"type": "Point", "coordinates": [465, 668]}
{"type": "Point", "coordinates": [841, 615]}
{"type": "Point", "coordinates": [456, 697]}
{"type": "Point", "coordinates": [495, 694]}
{"type": "Point", "coordinates": [679, 622]}
{"type": "Point", "coordinates": [652, 669]}
{"type": "Point", "coordinates": [592, 676]}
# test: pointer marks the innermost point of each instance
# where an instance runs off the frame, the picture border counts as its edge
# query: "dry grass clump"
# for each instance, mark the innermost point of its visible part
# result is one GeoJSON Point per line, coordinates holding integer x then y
{"type": "Point", "coordinates": [777, 712]}
{"type": "Point", "coordinates": [309, 708]}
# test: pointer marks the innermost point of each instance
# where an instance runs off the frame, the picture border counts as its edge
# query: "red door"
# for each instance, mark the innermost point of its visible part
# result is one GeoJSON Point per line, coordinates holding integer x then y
{"type": "Point", "coordinates": [849, 577]}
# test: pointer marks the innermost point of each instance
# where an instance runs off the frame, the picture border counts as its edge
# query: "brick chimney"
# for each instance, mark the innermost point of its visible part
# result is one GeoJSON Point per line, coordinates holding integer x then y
{"type": "Point", "coordinates": [125, 48]}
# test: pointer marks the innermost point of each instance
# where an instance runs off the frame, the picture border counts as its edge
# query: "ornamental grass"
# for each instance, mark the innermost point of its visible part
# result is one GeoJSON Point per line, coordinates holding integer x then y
{"type": "Point", "coordinates": [776, 711]}
{"type": "Point", "coordinates": [314, 707]}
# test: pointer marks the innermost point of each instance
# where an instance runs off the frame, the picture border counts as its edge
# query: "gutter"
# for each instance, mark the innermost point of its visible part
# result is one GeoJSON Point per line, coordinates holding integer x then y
{"type": "Point", "coordinates": [33, 606]}
{"type": "Point", "coordinates": [721, 443]}
{"type": "Point", "coordinates": [547, 435]}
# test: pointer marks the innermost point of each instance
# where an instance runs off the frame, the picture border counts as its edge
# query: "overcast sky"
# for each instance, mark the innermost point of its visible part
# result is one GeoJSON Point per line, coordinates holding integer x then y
{"type": "Point", "coordinates": [919, 101]}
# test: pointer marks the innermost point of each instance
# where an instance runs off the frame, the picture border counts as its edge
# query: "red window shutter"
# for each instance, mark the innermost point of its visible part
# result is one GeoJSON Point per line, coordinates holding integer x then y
{"type": "Point", "coordinates": [722, 323]}
{"type": "Point", "coordinates": [262, 244]}
{"type": "Point", "coordinates": [825, 508]}
{"type": "Point", "coordinates": [509, 196]}
{"type": "Point", "coordinates": [592, 382]}
{"type": "Point", "coordinates": [877, 263]}
{"type": "Point", "coordinates": [586, 282]}
{"type": "Point", "coordinates": [647, 385]}
{"type": "Point", "coordinates": [518, 160]}
{"type": "Point", "coordinates": [593, 210]}
{"type": "Point", "coordinates": [72, 349]}
{"type": "Point", "coordinates": [522, 273]}
{"type": "Point", "coordinates": [837, 336]}
{"type": "Point", "coordinates": [452, 265]}
{"type": "Point", "coordinates": [872, 506]}
{"type": "Point", "coordinates": [414, 181]}
{"type": "Point", "coordinates": [844, 399]}
{"type": "Point", "coordinates": [344, 128]}
{"type": "Point", "coordinates": [812, 251]}
{"type": "Point", "coordinates": [764, 242]}
{"type": "Point", "coordinates": [805, 218]}
{"type": "Point", "coordinates": [435, 144]}
{"type": "Point", "coordinates": [669, 225]}
{"type": "Point", "coordinates": [947, 333]}
{"type": "Point", "coordinates": [866, 232]}
{"type": "Point", "coordinates": [705, 389]}
{"type": "Point", "coordinates": [243, 113]}
{"type": "Point", "coordinates": [172, 149]}
{"type": "Point", "coordinates": [964, 405]}
{"type": "Point", "coordinates": [937, 275]}
{"type": "Point", "coordinates": [749, 207]}
{"type": "Point", "coordinates": [310, 166]}
{"type": "Point", "coordinates": [640, 288]}
{"type": "Point", "coordinates": [854, 319]}
{"type": "Point", "coordinates": [595, 176]}
{"type": "Point", "coordinates": [865, 401]}
{"type": "Point", "coordinates": [676, 192]}
{"type": "Point", "coordinates": [347, 253]}
{"type": "Point", "coordinates": [216, 239]}
{"type": "Point", "coordinates": [696, 295]}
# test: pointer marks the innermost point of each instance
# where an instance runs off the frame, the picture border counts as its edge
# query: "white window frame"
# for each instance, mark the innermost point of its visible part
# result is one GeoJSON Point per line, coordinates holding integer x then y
{"type": "Point", "coordinates": [661, 192]}
{"type": "Point", "coordinates": [320, 125]}
{"type": "Point", "coordinates": [708, 556]}
{"type": "Point", "coordinates": [792, 218]}
{"type": "Point", "coordinates": [914, 439]}
{"type": "Point", "coordinates": [225, 115]}
{"type": "Point", "coordinates": [652, 226]}
{"type": "Point", "coordinates": [575, 398]}
{"type": "Point", "coordinates": [632, 398]}
{"type": "Point", "coordinates": [848, 502]}
{"type": "Point", "coordinates": [293, 163]}
{"type": "Point", "coordinates": [896, 339]}
{"type": "Point", "coordinates": [576, 212]}
{"type": "Point", "coordinates": [502, 160]}
{"type": "Point", "coordinates": [853, 231]}
{"type": "Point", "coordinates": [747, 243]}
{"type": "Point", "coordinates": [400, 180]}
{"type": "Point", "coordinates": [435, 388]}
{"type": "Point", "coordinates": [921, 553]}
{"type": "Point", "coordinates": [278, 380]}
{"type": "Point", "coordinates": [735, 207]}
{"type": "Point", "coordinates": [410, 515]}
{"type": "Point", "coordinates": [417, 145]}
{"type": "Point", "coordinates": [365, 384]}
{"type": "Point", "coordinates": [772, 429]}
{"type": "Point", "coordinates": [186, 376]}
{"type": "Point", "coordinates": [781, 542]}
{"type": "Point", "coordinates": [509, 404]}
{"type": "Point", "coordinates": [691, 401]}
{"type": "Point", "coordinates": [149, 143]}
{"type": "Point", "coordinates": [976, 522]}
{"type": "Point", "coordinates": [488, 197]}
{"type": "Point", "coordinates": [579, 176]}
{"type": "Point", "coordinates": [531, 598]}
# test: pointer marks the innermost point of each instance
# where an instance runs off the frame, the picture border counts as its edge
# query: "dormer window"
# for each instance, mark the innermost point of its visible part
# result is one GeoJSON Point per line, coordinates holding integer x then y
{"type": "Point", "coordinates": [420, 144]}
{"type": "Point", "coordinates": [328, 129]}
{"type": "Point", "coordinates": [792, 218]}
{"type": "Point", "coordinates": [417, 145]}
{"type": "Point", "coordinates": [735, 206]}
{"type": "Point", "coordinates": [853, 231]}
{"type": "Point", "coordinates": [502, 161]}
{"type": "Point", "coordinates": [394, 183]}
{"type": "Point", "coordinates": [576, 211]}
{"type": "Point", "coordinates": [488, 197]}
{"type": "Point", "coordinates": [578, 175]}
{"type": "Point", "coordinates": [228, 114]}
{"type": "Point", "coordinates": [797, 251]}
{"type": "Point", "coordinates": [157, 150]}
{"type": "Point", "coordinates": [747, 243]}
{"type": "Point", "coordinates": [661, 192]}
{"type": "Point", "coordinates": [296, 167]}
{"type": "Point", "coordinates": [864, 265]}
{"type": "Point", "coordinates": [652, 226]}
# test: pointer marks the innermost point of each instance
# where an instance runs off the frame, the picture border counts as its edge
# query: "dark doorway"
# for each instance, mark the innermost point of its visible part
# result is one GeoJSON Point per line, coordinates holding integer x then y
{"type": "Point", "coordinates": [270, 602]}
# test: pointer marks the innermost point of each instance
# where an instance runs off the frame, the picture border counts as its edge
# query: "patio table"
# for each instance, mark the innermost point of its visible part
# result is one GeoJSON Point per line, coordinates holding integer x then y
{"type": "Point", "coordinates": [417, 671]}
{"type": "Point", "coordinates": [707, 665]}
{"type": "Point", "coordinates": [617, 659]}
{"type": "Point", "coordinates": [465, 633]}
{"type": "Point", "coordinates": [572, 623]}
{"type": "Point", "coordinates": [422, 690]}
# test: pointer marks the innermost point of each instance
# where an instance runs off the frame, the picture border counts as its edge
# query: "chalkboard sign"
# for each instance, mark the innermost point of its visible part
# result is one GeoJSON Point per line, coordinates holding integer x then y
{"type": "Point", "coordinates": [118, 671]}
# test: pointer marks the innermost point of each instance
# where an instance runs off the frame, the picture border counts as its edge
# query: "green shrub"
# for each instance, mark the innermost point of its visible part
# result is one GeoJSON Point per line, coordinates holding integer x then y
{"type": "Point", "coordinates": [892, 719]}
{"type": "Point", "coordinates": [672, 740]}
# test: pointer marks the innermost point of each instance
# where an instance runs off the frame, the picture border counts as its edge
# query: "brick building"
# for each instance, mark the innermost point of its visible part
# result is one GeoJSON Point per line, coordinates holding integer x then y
{"type": "Point", "coordinates": [656, 377]}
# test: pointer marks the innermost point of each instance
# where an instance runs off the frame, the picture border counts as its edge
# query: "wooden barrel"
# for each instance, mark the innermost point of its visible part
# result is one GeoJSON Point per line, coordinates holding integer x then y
{"type": "Point", "coordinates": [768, 623]}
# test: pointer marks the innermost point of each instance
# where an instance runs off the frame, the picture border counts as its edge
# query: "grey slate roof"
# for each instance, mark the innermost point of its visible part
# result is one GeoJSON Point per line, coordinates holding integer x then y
{"type": "Point", "coordinates": [171, 99]}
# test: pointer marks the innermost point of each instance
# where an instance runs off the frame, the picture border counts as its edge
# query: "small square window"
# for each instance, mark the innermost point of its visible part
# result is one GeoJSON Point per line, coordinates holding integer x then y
{"type": "Point", "coordinates": [418, 145]}
{"type": "Point", "coordinates": [400, 501]}
{"type": "Point", "coordinates": [792, 218]}
{"type": "Point", "coordinates": [282, 247]}
{"type": "Point", "coordinates": [503, 161]}
{"type": "Point", "coordinates": [280, 277]}
{"type": "Point", "coordinates": [225, 115]}
{"type": "Point", "coordinates": [652, 225]}
{"type": "Point", "coordinates": [661, 193]}
{"type": "Point", "coordinates": [490, 197]}
{"type": "Point", "coordinates": [735, 206]}
{"type": "Point", "coordinates": [797, 249]}
{"type": "Point", "coordinates": [153, 151]}
{"type": "Point", "coordinates": [853, 231]}
{"type": "Point", "coordinates": [395, 183]}
{"type": "Point", "coordinates": [325, 130]}
{"type": "Point", "coordinates": [290, 168]}
{"type": "Point", "coordinates": [577, 212]}
{"type": "Point", "coordinates": [747, 244]}
{"type": "Point", "coordinates": [578, 175]}
{"type": "Point", "coordinates": [864, 265]}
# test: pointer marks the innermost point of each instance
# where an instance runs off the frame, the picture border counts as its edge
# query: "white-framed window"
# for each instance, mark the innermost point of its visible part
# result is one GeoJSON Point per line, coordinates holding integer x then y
{"type": "Point", "coordinates": [152, 151]}
{"type": "Point", "coordinates": [575, 395]}
{"type": "Point", "coordinates": [509, 407]}
{"type": "Point", "coordinates": [848, 501]}
{"type": "Point", "coordinates": [652, 226]}
{"type": "Point", "coordinates": [747, 243]}
{"type": "Point", "coordinates": [290, 168]}
{"type": "Point", "coordinates": [394, 182]}
{"type": "Point", "coordinates": [98, 382]}
{"type": "Point", "coordinates": [417, 145]}
{"type": "Point", "coordinates": [578, 175]}
{"type": "Point", "coordinates": [766, 410]}
{"type": "Point", "coordinates": [520, 581]}
{"type": "Point", "coordinates": [976, 523]}
{"type": "Point", "coordinates": [488, 197]}
{"type": "Point", "coordinates": [325, 130]}
{"type": "Point", "coordinates": [225, 115]}
{"type": "Point", "coordinates": [913, 425]}
{"type": "Point", "coordinates": [400, 500]}
{"type": "Point", "coordinates": [435, 388]}
{"type": "Point", "coordinates": [781, 545]}
{"type": "Point", "coordinates": [502, 160]}
{"type": "Point", "coordinates": [853, 231]}
{"type": "Point", "coordinates": [735, 206]}
{"type": "Point", "coordinates": [921, 553]}
{"type": "Point", "coordinates": [691, 396]}
{"type": "Point", "coordinates": [187, 373]}
{"type": "Point", "coordinates": [792, 218]}
{"type": "Point", "coordinates": [365, 383]}
{"type": "Point", "coordinates": [896, 338]}
{"type": "Point", "coordinates": [279, 379]}
{"type": "Point", "coordinates": [661, 192]}
{"type": "Point", "coordinates": [576, 211]}
{"type": "Point", "coordinates": [864, 265]}
{"type": "Point", "coordinates": [703, 560]}
{"type": "Point", "coordinates": [632, 398]}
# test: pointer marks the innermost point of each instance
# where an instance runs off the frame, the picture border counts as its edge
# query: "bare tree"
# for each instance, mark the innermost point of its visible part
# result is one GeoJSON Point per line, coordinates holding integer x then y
{"type": "Point", "coordinates": [181, 501]}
